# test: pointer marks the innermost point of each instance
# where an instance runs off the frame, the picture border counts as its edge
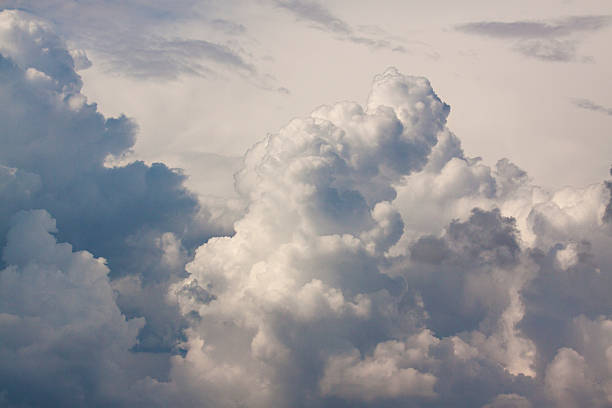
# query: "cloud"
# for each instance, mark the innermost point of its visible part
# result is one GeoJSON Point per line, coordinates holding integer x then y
{"type": "Point", "coordinates": [537, 29]}
{"type": "Point", "coordinates": [228, 27]}
{"type": "Point", "coordinates": [592, 106]}
{"type": "Point", "coordinates": [372, 262]}
{"type": "Point", "coordinates": [133, 38]}
{"type": "Point", "coordinates": [171, 58]}
{"type": "Point", "coordinates": [509, 401]}
{"type": "Point", "coordinates": [387, 374]}
{"type": "Point", "coordinates": [554, 40]}
{"type": "Point", "coordinates": [376, 265]}
{"type": "Point", "coordinates": [64, 340]}
{"type": "Point", "coordinates": [140, 218]}
{"type": "Point", "coordinates": [323, 19]}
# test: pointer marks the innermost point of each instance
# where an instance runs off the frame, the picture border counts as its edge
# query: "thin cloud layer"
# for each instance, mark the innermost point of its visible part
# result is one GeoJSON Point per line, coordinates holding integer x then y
{"type": "Point", "coordinates": [323, 19]}
{"type": "Point", "coordinates": [132, 38]}
{"type": "Point", "coordinates": [554, 40]}
{"type": "Point", "coordinates": [374, 265]}
{"type": "Point", "coordinates": [592, 106]}
{"type": "Point", "coordinates": [531, 29]}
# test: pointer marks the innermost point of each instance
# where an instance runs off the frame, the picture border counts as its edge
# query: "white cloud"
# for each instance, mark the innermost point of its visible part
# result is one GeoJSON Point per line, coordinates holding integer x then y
{"type": "Point", "coordinates": [361, 231]}
{"type": "Point", "coordinates": [373, 264]}
{"type": "Point", "coordinates": [387, 374]}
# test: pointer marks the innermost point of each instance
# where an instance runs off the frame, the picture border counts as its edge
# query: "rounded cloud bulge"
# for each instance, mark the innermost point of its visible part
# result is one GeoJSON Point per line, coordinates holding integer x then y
{"type": "Point", "coordinates": [374, 264]}
{"type": "Point", "coordinates": [74, 331]}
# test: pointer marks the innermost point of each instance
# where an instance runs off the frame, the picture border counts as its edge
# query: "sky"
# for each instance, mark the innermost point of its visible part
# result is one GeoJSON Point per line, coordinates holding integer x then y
{"type": "Point", "coordinates": [293, 203]}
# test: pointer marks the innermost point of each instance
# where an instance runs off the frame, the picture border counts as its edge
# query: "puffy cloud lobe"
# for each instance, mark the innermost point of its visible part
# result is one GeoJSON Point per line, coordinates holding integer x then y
{"type": "Point", "coordinates": [308, 255]}
{"type": "Point", "coordinates": [581, 374]}
{"type": "Point", "coordinates": [367, 229]}
{"type": "Point", "coordinates": [509, 401]}
{"type": "Point", "coordinates": [388, 373]}
{"type": "Point", "coordinates": [64, 340]}
{"type": "Point", "coordinates": [54, 146]}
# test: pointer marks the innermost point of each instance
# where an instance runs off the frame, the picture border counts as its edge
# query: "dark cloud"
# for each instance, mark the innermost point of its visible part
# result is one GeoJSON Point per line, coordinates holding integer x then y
{"type": "Point", "coordinates": [592, 106]}
{"type": "Point", "coordinates": [140, 218]}
{"type": "Point", "coordinates": [64, 340]}
{"type": "Point", "coordinates": [468, 252]}
{"type": "Point", "coordinates": [554, 40]}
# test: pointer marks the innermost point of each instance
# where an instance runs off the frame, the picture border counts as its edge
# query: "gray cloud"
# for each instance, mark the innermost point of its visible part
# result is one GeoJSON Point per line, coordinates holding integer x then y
{"type": "Point", "coordinates": [129, 36]}
{"type": "Point", "coordinates": [374, 264]}
{"type": "Point", "coordinates": [64, 340]}
{"type": "Point", "coordinates": [139, 217]}
{"type": "Point", "coordinates": [537, 29]}
{"type": "Point", "coordinates": [316, 13]}
{"type": "Point", "coordinates": [229, 27]}
{"type": "Point", "coordinates": [155, 57]}
{"type": "Point", "coordinates": [549, 50]}
{"type": "Point", "coordinates": [323, 19]}
{"type": "Point", "coordinates": [592, 106]}
{"type": "Point", "coordinates": [554, 40]}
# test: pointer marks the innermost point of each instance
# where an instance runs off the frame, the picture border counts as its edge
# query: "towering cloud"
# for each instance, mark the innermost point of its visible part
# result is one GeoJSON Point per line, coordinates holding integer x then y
{"type": "Point", "coordinates": [375, 264]}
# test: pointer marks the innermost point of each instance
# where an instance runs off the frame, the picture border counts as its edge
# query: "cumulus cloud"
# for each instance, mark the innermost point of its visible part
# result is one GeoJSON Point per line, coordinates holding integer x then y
{"type": "Point", "coordinates": [373, 262]}
{"type": "Point", "coordinates": [64, 340]}
{"type": "Point", "coordinates": [377, 265]}
{"type": "Point", "coordinates": [140, 218]}
{"type": "Point", "coordinates": [554, 40]}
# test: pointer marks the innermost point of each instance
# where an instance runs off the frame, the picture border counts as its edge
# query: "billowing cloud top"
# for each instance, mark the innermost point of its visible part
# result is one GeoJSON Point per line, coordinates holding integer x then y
{"type": "Point", "coordinates": [375, 264]}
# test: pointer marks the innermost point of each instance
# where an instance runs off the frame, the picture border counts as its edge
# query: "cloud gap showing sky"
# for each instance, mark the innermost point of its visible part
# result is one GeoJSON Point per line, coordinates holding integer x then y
{"type": "Point", "coordinates": [367, 260]}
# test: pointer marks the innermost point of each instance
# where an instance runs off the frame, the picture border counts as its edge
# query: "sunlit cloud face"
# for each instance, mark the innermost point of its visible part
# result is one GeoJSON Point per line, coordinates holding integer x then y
{"type": "Point", "coordinates": [363, 260]}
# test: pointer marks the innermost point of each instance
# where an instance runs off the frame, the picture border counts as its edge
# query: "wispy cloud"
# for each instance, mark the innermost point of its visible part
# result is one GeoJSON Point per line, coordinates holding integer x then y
{"type": "Point", "coordinates": [592, 106]}
{"type": "Point", "coordinates": [144, 39]}
{"type": "Point", "coordinates": [161, 57]}
{"type": "Point", "coordinates": [323, 19]}
{"type": "Point", "coordinates": [228, 27]}
{"type": "Point", "coordinates": [552, 40]}
{"type": "Point", "coordinates": [537, 29]}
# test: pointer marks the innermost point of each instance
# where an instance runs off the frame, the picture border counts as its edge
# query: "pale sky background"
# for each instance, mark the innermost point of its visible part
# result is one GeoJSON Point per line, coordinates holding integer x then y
{"type": "Point", "coordinates": [549, 112]}
{"type": "Point", "coordinates": [503, 103]}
